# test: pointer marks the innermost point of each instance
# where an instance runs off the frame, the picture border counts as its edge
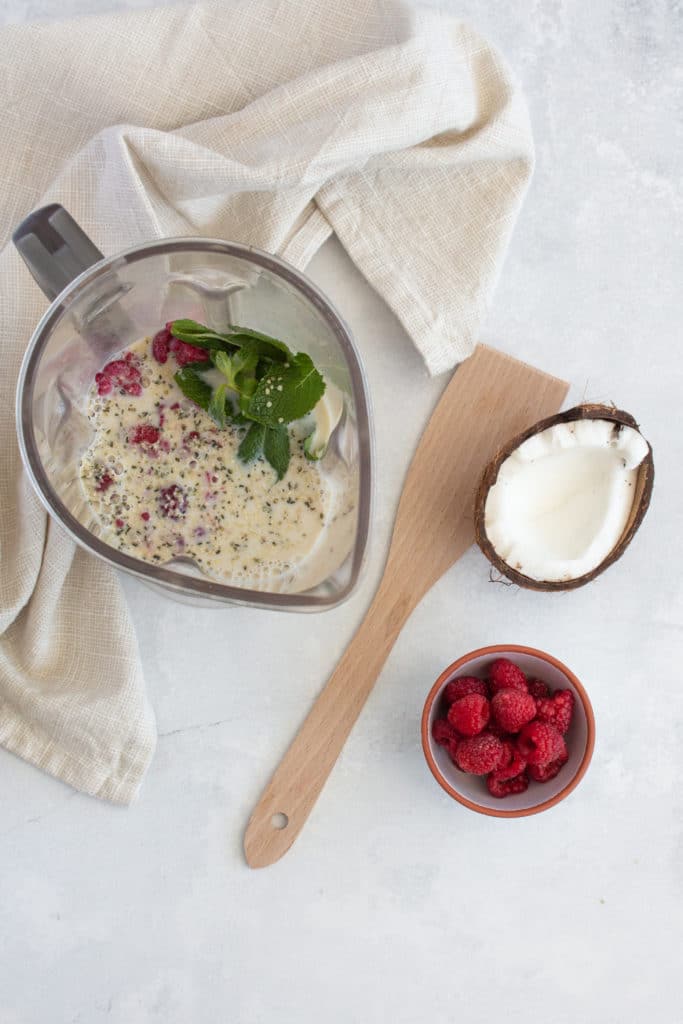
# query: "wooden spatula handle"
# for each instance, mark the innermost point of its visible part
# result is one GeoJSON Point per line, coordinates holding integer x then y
{"type": "Point", "coordinates": [302, 773]}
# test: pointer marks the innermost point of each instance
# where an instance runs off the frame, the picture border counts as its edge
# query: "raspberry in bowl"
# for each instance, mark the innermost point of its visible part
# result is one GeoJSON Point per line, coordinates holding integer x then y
{"type": "Point", "coordinates": [508, 731]}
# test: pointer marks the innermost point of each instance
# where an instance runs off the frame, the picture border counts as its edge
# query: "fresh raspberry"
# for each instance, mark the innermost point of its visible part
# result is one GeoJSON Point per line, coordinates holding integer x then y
{"type": "Point", "coordinates": [104, 482]}
{"type": "Point", "coordinates": [144, 433]}
{"type": "Point", "coordinates": [556, 709]}
{"type": "Point", "coordinates": [546, 772]}
{"type": "Point", "coordinates": [443, 733]}
{"type": "Point", "coordinates": [470, 714]}
{"type": "Point", "coordinates": [186, 353]}
{"type": "Point", "coordinates": [540, 743]}
{"type": "Point", "coordinates": [462, 687]}
{"type": "Point", "coordinates": [160, 345]}
{"type": "Point", "coordinates": [512, 709]}
{"type": "Point", "coordinates": [506, 676]}
{"type": "Point", "coordinates": [512, 764]}
{"type": "Point", "coordinates": [173, 502]}
{"type": "Point", "coordinates": [497, 730]}
{"type": "Point", "coordinates": [480, 754]}
{"type": "Point", "coordinates": [120, 373]}
{"type": "Point", "coordinates": [506, 787]}
{"type": "Point", "coordinates": [537, 688]}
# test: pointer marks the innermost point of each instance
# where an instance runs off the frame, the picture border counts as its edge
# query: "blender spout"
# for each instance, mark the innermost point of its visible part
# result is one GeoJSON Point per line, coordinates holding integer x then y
{"type": "Point", "coordinates": [54, 248]}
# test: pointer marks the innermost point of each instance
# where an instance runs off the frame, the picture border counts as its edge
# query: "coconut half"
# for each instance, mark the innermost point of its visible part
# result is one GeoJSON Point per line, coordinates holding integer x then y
{"type": "Point", "coordinates": [562, 501]}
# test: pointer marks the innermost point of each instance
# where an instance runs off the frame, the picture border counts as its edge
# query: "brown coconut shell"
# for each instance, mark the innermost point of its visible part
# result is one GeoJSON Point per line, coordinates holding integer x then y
{"type": "Point", "coordinates": [641, 498]}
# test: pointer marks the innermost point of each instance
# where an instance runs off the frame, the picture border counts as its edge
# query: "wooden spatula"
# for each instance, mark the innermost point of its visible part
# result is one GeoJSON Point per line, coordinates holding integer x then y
{"type": "Point", "coordinates": [491, 398]}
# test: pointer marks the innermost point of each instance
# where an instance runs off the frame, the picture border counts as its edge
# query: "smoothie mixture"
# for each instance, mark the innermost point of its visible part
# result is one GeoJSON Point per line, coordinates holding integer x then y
{"type": "Point", "coordinates": [164, 481]}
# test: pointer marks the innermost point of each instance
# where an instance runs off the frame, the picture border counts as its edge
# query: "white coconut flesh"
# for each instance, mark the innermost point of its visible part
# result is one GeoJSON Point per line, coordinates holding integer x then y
{"type": "Point", "coordinates": [562, 500]}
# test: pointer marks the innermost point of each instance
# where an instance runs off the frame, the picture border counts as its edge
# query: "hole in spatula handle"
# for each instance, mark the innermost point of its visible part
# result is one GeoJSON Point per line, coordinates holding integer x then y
{"type": "Point", "coordinates": [279, 821]}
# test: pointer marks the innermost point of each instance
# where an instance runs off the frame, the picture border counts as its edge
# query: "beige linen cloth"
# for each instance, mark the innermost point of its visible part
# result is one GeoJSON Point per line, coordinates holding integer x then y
{"type": "Point", "coordinates": [267, 122]}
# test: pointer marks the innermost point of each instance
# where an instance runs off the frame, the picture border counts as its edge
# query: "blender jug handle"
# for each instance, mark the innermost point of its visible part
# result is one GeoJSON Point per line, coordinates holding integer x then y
{"type": "Point", "coordinates": [54, 248]}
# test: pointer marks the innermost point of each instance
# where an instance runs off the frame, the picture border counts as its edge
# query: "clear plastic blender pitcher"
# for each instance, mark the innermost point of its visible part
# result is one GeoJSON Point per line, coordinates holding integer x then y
{"type": "Point", "coordinates": [101, 305]}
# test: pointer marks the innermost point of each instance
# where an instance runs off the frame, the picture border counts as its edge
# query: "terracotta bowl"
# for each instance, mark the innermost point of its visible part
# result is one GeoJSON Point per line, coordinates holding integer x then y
{"type": "Point", "coordinates": [471, 790]}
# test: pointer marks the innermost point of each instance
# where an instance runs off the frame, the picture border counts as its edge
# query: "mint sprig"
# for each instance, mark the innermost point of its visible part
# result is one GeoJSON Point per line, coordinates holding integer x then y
{"type": "Point", "coordinates": [273, 387]}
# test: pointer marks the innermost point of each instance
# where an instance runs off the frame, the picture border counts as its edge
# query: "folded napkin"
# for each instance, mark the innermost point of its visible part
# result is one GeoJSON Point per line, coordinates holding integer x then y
{"type": "Point", "coordinates": [265, 122]}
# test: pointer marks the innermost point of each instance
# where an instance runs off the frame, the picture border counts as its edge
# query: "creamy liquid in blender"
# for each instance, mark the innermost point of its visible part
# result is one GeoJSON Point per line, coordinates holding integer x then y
{"type": "Point", "coordinates": [165, 482]}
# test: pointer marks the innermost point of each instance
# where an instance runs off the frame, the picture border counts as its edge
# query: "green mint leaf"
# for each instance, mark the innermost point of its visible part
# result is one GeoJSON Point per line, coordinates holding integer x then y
{"type": "Point", "coordinates": [267, 348]}
{"type": "Point", "coordinates": [217, 410]}
{"type": "Point", "coordinates": [239, 337]}
{"type": "Point", "coordinates": [276, 449]}
{"type": "Point", "coordinates": [245, 360]}
{"type": "Point", "coordinates": [189, 327]}
{"type": "Point", "coordinates": [287, 392]}
{"type": "Point", "coordinates": [275, 343]}
{"type": "Point", "coordinates": [201, 336]}
{"type": "Point", "coordinates": [223, 362]}
{"type": "Point", "coordinates": [208, 342]}
{"type": "Point", "coordinates": [193, 387]}
{"type": "Point", "coordinates": [252, 443]}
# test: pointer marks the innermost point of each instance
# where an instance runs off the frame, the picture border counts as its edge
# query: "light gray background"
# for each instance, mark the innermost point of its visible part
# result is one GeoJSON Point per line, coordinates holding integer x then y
{"type": "Point", "coordinates": [396, 904]}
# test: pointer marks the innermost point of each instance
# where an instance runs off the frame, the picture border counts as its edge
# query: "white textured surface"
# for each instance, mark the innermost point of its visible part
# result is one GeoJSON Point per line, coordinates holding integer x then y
{"type": "Point", "coordinates": [396, 904]}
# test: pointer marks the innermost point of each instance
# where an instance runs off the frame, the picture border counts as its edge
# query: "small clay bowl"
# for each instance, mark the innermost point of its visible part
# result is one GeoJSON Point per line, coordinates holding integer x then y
{"type": "Point", "coordinates": [470, 790]}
